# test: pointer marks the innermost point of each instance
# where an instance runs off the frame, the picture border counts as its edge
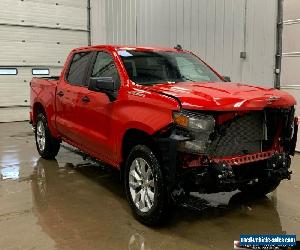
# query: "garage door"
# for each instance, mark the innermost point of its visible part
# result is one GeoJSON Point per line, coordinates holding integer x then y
{"type": "Point", "coordinates": [36, 36]}
{"type": "Point", "coordinates": [290, 80]}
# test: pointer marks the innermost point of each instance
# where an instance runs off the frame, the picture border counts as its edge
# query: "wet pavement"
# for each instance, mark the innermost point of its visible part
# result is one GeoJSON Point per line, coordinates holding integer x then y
{"type": "Point", "coordinates": [70, 203]}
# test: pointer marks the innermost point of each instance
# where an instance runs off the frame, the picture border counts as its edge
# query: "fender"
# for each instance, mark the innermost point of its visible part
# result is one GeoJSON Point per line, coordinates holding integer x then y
{"type": "Point", "coordinates": [148, 113]}
{"type": "Point", "coordinates": [168, 95]}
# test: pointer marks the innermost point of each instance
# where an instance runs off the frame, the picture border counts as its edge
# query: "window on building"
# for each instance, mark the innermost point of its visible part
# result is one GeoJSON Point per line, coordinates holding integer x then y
{"type": "Point", "coordinates": [8, 71]}
{"type": "Point", "coordinates": [40, 71]}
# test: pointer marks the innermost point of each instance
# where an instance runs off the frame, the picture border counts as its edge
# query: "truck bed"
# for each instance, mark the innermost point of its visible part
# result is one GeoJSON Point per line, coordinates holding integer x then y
{"type": "Point", "coordinates": [43, 92]}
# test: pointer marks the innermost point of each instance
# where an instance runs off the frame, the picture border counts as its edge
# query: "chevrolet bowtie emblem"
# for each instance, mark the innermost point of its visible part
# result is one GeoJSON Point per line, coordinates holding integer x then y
{"type": "Point", "coordinates": [273, 99]}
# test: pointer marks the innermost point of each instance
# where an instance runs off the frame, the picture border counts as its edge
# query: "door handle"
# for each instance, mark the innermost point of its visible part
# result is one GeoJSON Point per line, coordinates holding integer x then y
{"type": "Point", "coordinates": [60, 93]}
{"type": "Point", "coordinates": [85, 99]}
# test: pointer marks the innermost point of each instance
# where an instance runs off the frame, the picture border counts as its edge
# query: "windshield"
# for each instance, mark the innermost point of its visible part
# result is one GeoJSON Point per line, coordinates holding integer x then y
{"type": "Point", "coordinates": [148, 67]}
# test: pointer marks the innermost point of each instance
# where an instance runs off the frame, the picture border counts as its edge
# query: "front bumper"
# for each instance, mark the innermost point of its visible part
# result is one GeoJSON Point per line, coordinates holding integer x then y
{"type": "Point", "coordinates": [213, 174]}
{"type": "Point", "coordinates": [220, 176]}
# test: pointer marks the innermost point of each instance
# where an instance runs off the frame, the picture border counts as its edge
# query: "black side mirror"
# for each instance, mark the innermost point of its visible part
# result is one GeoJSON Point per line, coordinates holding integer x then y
{"type": "Point", "coordinates": [104, 84]}
{"type": "Point", "coordinates": [227, 78]}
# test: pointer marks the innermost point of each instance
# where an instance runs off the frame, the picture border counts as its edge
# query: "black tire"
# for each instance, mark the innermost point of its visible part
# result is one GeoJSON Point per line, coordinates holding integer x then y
{"type": "Point", "coordinates": [157, 212]}
{"type": "Point", "coordinates": [261, 188]}
{"type": "Point", "coordinates": [51, 144]}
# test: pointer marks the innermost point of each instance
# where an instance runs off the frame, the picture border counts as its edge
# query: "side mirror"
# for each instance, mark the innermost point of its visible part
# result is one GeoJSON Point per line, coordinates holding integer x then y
{"type": "Point", "coordinates": [227, 78]}
{"type": "Point", "coordinates": [102, 84]}
{"type": "Point", "coordinates": [105, 85]}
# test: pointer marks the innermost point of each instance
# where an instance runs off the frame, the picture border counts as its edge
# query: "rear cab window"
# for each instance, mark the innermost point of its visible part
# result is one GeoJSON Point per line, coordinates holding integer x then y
{"type": "Point", "coordinates": [76, 74]}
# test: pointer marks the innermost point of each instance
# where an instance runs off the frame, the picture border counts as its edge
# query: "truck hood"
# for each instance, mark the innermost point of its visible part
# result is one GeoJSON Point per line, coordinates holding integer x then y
{"type": "Point", "coordinates": [226, 96]}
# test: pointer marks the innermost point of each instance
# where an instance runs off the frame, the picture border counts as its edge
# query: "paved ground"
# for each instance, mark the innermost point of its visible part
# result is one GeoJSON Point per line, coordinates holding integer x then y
{"type": "Point", "coordinates": [69, 203]}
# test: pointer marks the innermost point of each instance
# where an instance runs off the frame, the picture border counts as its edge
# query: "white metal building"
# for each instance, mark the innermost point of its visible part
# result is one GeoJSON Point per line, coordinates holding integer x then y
{"type": "Point", "coordinates": [240, 38]}
{"type": "Point", "coordinates": [35, 38]}
{"type": "Point", "coordinates": [217, 30]}
{"type": "Point", "coordinates": [290, 80]}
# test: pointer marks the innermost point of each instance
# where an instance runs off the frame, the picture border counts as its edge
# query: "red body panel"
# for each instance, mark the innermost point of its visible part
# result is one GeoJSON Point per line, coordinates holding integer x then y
{"type": "Point", "coordinates": [225, 96]}
{"type": "Point", "coordinates": [43, 92]}
{"type": "Point", "coordinates": [98, 127]}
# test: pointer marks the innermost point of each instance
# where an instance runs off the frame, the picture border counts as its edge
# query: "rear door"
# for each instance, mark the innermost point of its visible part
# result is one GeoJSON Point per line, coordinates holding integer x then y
{"type": "Point", "coordinates": [69, 95]}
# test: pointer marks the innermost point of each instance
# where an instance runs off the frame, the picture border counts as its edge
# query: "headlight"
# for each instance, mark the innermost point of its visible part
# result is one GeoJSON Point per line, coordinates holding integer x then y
{"type": "Point", "coordinates": [201, 127]}
{"type": "Point", "coordinates": [194, 121]}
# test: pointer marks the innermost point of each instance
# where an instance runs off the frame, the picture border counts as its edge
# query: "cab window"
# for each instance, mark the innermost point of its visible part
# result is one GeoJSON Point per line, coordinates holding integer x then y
{"type": "Point", "coordinates": [104, 66]}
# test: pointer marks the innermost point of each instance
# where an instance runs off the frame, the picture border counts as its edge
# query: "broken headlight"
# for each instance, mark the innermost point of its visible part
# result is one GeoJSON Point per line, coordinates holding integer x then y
{"type": "Point", "coordinates": [201, 126]}
{"type": "Point", "coordinates": [194, 122]}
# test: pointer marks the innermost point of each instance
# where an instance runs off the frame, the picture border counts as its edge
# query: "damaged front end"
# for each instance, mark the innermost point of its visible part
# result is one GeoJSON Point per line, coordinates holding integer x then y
{"type": "Point", "coordinates": [223, 151]}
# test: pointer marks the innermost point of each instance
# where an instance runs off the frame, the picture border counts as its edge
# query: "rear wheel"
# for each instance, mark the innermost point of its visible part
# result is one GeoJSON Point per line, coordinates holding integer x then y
{"type": "Point", "coordinates": [145, 187]}
{"type": "Point", "coordinates": [46, 144]}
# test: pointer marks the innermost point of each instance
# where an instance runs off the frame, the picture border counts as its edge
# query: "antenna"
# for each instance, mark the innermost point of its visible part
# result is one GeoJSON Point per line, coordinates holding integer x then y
{"type": "Point", "coordinates": [178, 47]}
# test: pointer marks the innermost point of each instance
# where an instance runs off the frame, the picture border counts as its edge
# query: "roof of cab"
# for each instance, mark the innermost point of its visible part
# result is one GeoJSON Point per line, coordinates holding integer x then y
{"type": "Point", "coordinates": [124, 47]}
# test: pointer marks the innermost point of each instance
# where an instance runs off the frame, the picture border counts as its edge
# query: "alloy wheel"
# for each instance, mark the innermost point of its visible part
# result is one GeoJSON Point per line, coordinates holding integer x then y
{"type": "Point", "coordinates": [142, 185]}
{"type": "Point", "coordinates": [41, 135]}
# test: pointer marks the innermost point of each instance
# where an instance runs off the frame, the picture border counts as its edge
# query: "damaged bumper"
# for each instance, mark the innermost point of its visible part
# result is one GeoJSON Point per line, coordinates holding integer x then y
{"type": "Point", "coordinates": [214, 173]}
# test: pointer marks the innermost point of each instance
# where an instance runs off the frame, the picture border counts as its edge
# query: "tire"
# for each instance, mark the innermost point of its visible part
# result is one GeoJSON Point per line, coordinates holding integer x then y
{"type": "Point", "coordinates": [261, 188]}
{"type": "Point", "coordinates": [145, 186]}
{"type": "Point", "coordinates": [46, 144]}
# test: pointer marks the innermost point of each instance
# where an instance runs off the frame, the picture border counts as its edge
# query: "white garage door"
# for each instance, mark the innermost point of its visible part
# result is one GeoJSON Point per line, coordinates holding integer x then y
{"type": "Point", "coordinates": [290, 80]}
{"type": "Point", "coordinates": [35, 38]}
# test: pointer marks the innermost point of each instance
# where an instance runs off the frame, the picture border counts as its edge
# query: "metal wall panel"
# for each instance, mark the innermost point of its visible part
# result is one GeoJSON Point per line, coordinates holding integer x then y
{"type": "Point", "coordinates": [291, 38]}
{"type": "Point", "coordinates": [98, 22]}
{"type": "Point", "coordinates": [35, 34]}
{"type": "Point", "coordinates": [43, 13]}
{"type": "Point", "coordinates": [290, 44]}
{"type": "Point", "coordinates": [290, 71]}
{"type": "Point", "coordinates": [216, 30]}
{"type": "Point", "coordinates": [291, 9]}
{"type": "Point", "coordinates": [37, 46]}
{"type": "Point", "coordinates": [74, 3]}
{"type": "Point", "coordinates": [15, 90]}
{"type": "Point", "coordinates": [291, 52]}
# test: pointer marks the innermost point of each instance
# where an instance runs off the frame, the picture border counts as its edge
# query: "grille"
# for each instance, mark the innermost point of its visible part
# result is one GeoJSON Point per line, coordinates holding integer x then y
{"type": "Point", "coordinates": [243, 135]}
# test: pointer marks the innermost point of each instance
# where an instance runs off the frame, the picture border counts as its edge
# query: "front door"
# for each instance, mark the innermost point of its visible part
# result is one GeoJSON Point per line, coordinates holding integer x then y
{"type": "Point", "coordinates": [96, 111]}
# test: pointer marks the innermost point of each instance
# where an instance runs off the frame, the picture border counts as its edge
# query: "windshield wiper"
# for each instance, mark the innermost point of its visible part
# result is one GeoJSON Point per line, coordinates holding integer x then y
{"type": "Point", "coordinates": [186, 78]}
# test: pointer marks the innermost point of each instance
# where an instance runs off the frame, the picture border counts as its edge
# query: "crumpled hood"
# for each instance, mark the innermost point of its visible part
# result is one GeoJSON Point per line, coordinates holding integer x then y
{"type": "Point", "coordinates": [225, 96]}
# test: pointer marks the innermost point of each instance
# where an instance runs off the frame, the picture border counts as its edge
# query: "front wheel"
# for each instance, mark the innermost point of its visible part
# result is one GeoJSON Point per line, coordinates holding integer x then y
{"type": "Point", "coordinates": [145, 186]}
{"type": "Point", "coordinates": [46, 144]}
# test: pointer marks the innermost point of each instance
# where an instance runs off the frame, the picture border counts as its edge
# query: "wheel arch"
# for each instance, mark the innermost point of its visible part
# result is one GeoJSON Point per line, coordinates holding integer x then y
{"type": "Point", "coordinates": [131, 138]}
{"type": "Point", "coordinates": [37, 109]}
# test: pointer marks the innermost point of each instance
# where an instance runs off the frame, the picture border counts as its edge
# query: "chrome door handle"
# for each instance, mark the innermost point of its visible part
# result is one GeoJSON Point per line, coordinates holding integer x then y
{"type": "Point", "coordinates": [85, 99]}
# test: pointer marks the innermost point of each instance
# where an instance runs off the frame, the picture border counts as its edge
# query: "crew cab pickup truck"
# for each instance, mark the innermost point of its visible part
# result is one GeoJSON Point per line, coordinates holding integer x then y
{"type": "Point", "coordinates": [169, 122]}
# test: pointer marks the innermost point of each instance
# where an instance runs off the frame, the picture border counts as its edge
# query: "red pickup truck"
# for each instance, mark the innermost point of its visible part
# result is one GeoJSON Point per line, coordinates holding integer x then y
{"type": "Point", "coordinates": [169, 122]}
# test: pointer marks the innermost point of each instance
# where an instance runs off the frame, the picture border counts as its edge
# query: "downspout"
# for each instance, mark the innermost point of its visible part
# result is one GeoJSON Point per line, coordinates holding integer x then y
{"type": "Point", "coordinates": [243, 53]}
{"type": "Point", "coordinates": [278, 43]}
{"type": "Point", "coordinates": [89, 21]}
